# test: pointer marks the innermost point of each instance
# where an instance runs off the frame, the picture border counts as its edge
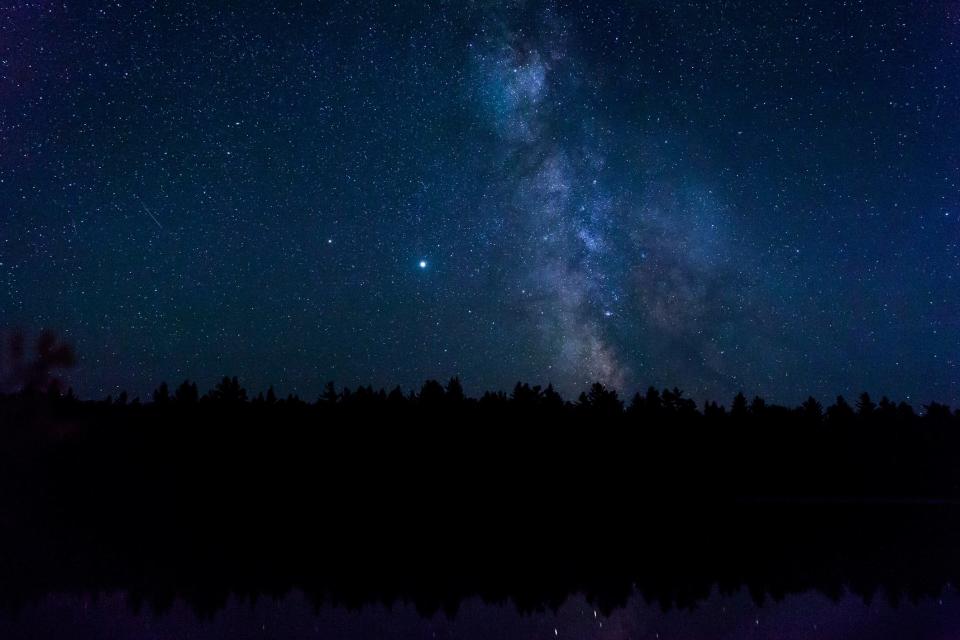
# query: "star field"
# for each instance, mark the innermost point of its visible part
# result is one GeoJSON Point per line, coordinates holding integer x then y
{"type": "Point", "coordinates": [713, 195]}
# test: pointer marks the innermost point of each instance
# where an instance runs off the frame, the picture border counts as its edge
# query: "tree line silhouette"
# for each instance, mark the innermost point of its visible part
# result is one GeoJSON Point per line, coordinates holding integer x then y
{"type": "Point", "coordinates": [23, 377]}
{"type": "Point", "coordinates": [524, 402]}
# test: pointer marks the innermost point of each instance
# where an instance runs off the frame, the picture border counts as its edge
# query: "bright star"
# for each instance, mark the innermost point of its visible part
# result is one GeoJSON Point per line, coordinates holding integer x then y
{"type": "Point", "coordinates": [423, 264]}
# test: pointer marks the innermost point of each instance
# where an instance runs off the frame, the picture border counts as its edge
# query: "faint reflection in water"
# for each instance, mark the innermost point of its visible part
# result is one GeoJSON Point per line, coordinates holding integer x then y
{"type": "Point", "coordinates": [725, 617]}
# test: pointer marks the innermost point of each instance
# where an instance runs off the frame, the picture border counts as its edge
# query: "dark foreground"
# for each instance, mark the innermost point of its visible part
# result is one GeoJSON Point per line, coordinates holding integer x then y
{"type": "Point", "coordinates": [720, 617]}
{"type": "Point", "coordinates": [191, 511]}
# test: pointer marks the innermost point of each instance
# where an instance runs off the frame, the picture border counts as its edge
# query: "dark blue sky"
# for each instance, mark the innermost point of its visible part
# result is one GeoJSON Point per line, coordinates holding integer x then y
{"type": "Point", "coordinates": [714, 195]}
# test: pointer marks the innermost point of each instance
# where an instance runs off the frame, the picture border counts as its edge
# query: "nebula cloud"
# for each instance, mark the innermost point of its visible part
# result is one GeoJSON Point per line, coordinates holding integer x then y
{"type": "Point", "coordinates": [562, 215]}
{"type": "Point", "coordinates": [629, 277]}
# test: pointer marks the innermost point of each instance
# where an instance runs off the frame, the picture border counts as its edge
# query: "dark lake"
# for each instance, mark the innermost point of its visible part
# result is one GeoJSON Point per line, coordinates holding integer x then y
{"type": "Point", "coordinates": [777, 571]}
{"type": "Point", "coordinates": [223, 530]}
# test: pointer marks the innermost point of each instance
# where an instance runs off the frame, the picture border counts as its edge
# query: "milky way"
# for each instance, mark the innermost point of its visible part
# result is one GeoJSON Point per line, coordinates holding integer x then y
{"type": "Point", "coordinates": [607, 257]}
{"type": "Point", "coordinates": [558, 214]}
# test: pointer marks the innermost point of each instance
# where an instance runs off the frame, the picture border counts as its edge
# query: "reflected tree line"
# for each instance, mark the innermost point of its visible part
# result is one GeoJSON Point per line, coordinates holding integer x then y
{"type": "Point", "coordinates": [367, 495]}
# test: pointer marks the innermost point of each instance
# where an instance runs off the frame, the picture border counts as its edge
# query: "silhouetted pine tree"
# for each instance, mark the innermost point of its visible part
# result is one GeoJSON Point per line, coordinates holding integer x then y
{"type": "Point", "coordinates": [186, 394]}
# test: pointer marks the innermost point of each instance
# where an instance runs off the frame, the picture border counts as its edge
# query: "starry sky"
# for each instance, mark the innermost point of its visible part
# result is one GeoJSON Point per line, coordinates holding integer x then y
{"type": "Point", "coordinates": [717, 195]}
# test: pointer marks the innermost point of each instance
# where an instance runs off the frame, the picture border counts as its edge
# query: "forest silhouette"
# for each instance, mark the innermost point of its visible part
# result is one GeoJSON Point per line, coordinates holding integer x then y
{"type": "Point", "coordinates": [366, 495]}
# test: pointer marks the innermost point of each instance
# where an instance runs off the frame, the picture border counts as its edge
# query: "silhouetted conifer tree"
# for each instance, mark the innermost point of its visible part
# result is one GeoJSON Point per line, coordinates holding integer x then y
{"type": "Point", "coordinates": [840, 412]}
{"type": "Point", "coordinates": [602, 401]}
{"type": "Point", "coordinates": [432, 394]}
{"type": "Point", "coordinates": [675, 404]}
{"type": "Point", "coordinates": [228, 391]}
{"type": "Point", "coordinates": [636, 407]}
{"type": "Point", "coordinates": [812, 410]}
{"type": "Point", "coordinates": [187, 393]}
{"type": "Point", "coordinates": [161, 396]}
{"type": "Point", "coordinates": [455, 395]}
{"type": "Point", "coordinates": [936, 412]}
{"type": "Point", "coordinates": [396, 398]}
{"type": "Point", "coordinates": [865, 406]}
{"type": "Point", "coordinates": [652, 403]}
{"type": "Point", "coordinates": [738, 409]}
{"type": "Point", "coordinates": [551, 399]}
{"type": "Point", "coordinates": [905, 412]}
{"type": "Point", "coordinates": [714, 412]}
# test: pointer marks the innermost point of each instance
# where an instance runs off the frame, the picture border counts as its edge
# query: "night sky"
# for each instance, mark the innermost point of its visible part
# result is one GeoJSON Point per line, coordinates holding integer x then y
{"type": "Point", "coordinates": [715, 195]}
